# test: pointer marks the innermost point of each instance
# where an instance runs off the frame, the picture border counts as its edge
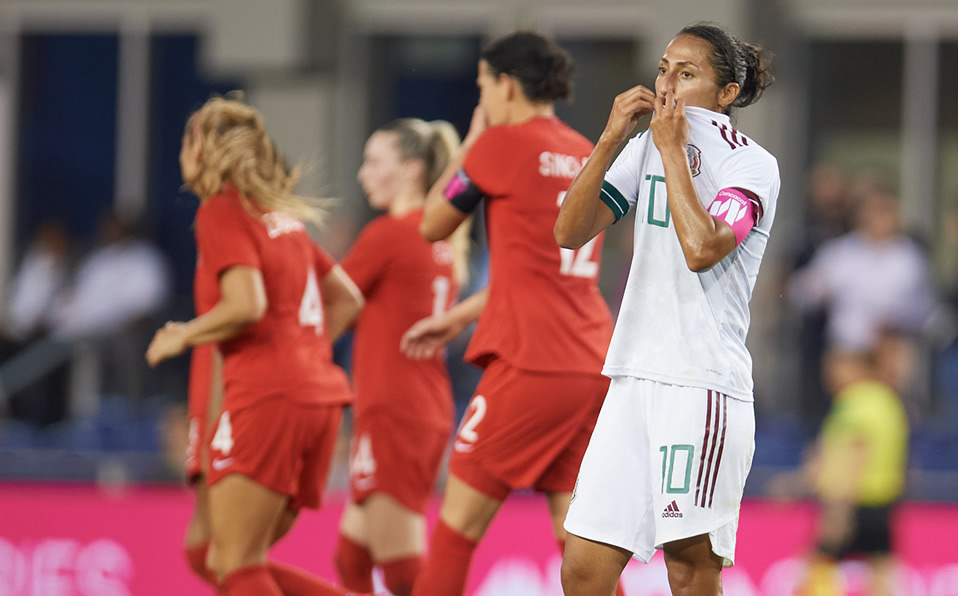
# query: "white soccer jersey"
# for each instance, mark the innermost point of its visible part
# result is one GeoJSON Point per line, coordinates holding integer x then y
{"type": "Point", "coordinates": [677, 326]}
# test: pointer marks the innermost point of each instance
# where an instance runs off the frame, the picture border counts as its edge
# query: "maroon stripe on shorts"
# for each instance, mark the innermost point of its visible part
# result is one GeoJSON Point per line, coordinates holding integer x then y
{"type": "Point", "coordinates": [705, 440]}
{"type": "Point", "coordinates": [718, 460]}
{"type": "Point", "coordinates": [715, 430]}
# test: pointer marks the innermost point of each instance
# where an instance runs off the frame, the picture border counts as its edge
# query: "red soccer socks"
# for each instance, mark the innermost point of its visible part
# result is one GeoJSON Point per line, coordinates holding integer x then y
{"type": "Point", "coordinates": [253, 580]}
{"type": "Point", "coordinates": [447, 567]}
{"type": "Point", "coordinates": [354, 565]}
{"type": "Point", "coordinates": [401, 574]}
{"type": "Point", "coordinates": [196, 559]}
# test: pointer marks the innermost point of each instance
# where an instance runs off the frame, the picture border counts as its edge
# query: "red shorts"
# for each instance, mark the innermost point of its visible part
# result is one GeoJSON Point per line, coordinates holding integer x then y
{"type": "Point", "coordinates": [526, 429]}
{"type": "Point", "coordinates": [287, 448]}
{"type": "Point", "coordinates": [194, 448]}
{"type": "Point", "coordinates": [395, 456]}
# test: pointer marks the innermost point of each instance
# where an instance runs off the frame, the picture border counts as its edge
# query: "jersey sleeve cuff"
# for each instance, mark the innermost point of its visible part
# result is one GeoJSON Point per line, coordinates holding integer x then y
{"type": "Point", "coordinates": [611, 196]}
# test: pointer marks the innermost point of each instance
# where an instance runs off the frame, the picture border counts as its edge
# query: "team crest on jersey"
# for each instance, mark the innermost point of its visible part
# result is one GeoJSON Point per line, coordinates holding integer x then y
{"type": "Point", "coordinates": [695, 159]}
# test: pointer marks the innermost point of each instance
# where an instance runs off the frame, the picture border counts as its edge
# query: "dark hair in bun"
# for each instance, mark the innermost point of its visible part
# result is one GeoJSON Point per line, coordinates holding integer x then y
{"type": "Point", "coordinates": [542, 67]}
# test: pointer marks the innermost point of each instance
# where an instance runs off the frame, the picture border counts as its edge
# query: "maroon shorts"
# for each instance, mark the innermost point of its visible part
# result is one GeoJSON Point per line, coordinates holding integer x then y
{"type": "Point", "coordinates": [526, 429]}
{"type": "Point", "coordinates": [395, 456]}
{"type": "Point", "coordinates": [287, 448]}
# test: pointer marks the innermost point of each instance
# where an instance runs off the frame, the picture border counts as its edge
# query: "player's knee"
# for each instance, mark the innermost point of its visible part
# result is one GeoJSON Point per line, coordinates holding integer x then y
{"type": "Point", "coordinates": [692, 577]}
{"type": "Point", "coordinates": [693, 568]}
{"type": "Point", "coordinates": [681, 575]}
{"type": "Point", "coordinates": [577, 576]}
{"type": "Point", "coordinates": [224, 558]}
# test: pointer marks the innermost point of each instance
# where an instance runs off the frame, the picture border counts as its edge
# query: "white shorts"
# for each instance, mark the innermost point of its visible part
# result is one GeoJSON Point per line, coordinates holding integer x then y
{"type": "Point", "coordinates": [665, 462]}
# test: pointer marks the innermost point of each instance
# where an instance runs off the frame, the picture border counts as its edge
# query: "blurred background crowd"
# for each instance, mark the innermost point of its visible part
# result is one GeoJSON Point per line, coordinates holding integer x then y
{"type": "Point", "coordinates": [96, 246]}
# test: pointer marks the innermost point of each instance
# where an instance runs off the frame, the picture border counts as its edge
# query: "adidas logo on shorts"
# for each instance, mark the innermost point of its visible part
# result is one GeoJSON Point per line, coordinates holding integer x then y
{"type": "Point", "coordinates": [672, 510]}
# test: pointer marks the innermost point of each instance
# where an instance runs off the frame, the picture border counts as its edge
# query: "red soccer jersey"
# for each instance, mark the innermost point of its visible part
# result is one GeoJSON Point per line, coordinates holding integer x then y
{"type": "Point", "coordinates": [286, 353]}
{"type": "Point", "coordinates": [404, 279]}
{"type": "Point", "coordinates": [545, 312]}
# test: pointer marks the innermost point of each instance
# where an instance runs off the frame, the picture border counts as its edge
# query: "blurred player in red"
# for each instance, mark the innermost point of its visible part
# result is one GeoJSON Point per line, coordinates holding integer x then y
{"type": "Point", "coordinates": [205, 401]}
{"type": "Point", "coordinates": [403, 410]}
{"type": "Point", "coordinates": [280, 301]}
{"type": "Point", "coordinates": [544, 327]}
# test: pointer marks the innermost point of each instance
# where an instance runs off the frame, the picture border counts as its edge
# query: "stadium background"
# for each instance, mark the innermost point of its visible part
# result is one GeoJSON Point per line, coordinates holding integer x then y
{"type": "Point", "coordinates": [93, 97]}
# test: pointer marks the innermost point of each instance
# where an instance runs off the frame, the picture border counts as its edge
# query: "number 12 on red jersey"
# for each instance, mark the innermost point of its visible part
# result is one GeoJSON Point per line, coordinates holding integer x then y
{"type": "Point", "coordinates": [577, 263]}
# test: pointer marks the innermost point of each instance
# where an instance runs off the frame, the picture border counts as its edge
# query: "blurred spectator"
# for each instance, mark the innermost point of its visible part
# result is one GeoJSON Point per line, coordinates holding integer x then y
{"type": "Point", "coordinates": [120, 282]}
{"type": "Point", "coordinates": [872, 278]}
{"type": "Point", "coordinates": [103, 316]}
{"type": "Point", "coordinates": [828, 212]}
{"type": "Point", "coordinates": [827, 216]}
{"type": "Point", "coordinates": [37, 282]}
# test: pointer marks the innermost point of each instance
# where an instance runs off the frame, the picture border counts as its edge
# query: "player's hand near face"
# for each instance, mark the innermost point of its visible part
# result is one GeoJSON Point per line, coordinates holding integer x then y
{"type": "Point", "coordinates": [670, 128]}
{"type": "Point", "coordinates": [170, 341]}
{"type": "Point", "coordinates": [478, 125]}
{"type": "Point", "coordinates": [440, 218]}
{"type": "Point", "coordinates": [628, 107]}
{"type": "Point", "coordinates": [582, 215]}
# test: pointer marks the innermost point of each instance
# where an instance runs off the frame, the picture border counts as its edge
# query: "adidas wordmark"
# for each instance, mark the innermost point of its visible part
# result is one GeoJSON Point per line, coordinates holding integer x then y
{"type": "Point", "coordinates": [672, 510]}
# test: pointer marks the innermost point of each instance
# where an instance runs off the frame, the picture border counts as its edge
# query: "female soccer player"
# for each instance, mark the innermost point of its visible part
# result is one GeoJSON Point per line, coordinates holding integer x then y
{"type": "Point", "coordinates": [403, 410]}
{"type": "Point", "coordinates": [544, 326]}
{"type": "Point", "coordinates": [667, 462]}
{"type": "Point", "coordinates": [281, 300]}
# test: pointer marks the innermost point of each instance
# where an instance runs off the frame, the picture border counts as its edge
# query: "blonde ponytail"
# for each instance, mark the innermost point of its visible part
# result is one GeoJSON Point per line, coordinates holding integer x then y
{"type": "Point", "coordinates": [433, 143]}
{"type": "Point", "coordinates": [445, 141]}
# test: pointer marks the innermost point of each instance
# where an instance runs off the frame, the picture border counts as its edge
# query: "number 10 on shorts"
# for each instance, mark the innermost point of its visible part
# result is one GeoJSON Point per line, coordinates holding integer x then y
{"type": "Point", "coordinates": [676, 468]}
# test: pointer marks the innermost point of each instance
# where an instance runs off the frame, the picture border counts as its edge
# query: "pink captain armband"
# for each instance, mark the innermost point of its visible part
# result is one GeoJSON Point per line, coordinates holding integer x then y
{"type": "Point", "coordinates": [738, 209]}
{"type": "Point", "coordinates": [457, 185]}
{"type": "Point", "coordinates": [462, 193]}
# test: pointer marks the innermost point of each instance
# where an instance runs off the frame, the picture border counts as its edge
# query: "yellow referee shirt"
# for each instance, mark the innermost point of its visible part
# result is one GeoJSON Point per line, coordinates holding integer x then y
{"type": "Point", "coordinates": [869, 413]}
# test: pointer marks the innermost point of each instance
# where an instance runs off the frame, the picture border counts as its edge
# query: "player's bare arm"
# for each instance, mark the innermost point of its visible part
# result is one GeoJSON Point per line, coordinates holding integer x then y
{"type": "Point", "coordinates": [582, 215]}
{"type": "Point", "coordinates": [440, 218]}
{"type": "Point", "coordinates": [705, 241]}
{"type": "Point", "coordinates": [342, 302]}
{"type": "Point", "coordinates": [242, 302]}
{"type": "Point", "coordinates": [432, 333]}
